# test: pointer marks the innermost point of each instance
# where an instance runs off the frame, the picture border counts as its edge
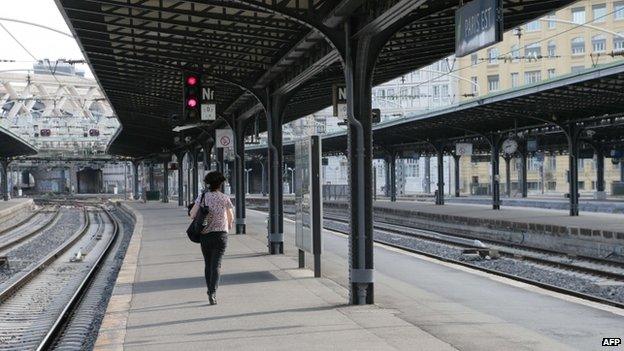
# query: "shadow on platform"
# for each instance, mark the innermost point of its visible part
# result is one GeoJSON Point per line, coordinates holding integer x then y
{"type": "Point", "coordinates": [199, 282]}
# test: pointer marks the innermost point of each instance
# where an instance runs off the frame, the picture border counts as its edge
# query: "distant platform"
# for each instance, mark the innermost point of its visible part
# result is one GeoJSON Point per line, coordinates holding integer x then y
{"type": "Point", "coordinates": [8, 208]}
{"type": "Point", "coordinates": [592, 234]}
{"type": "Point", "coordinates": [265, 303]}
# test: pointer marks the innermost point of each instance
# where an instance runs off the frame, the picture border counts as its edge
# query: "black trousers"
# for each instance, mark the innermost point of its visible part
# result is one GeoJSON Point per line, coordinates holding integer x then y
{"type": "Point", "coordinates": [213, 246]}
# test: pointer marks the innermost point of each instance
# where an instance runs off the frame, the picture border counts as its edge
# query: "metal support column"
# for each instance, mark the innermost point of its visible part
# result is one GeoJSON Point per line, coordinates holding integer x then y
{"type": "Point", "coordinates": [275, 110]}
{"type": "Point", "coordinates": [524, 169]}
{"type": "Point", "coordinates": [440, 192]}
{"type": "Point", "coordinates": [388, 182]}
{"type": "Point", "coordinates": [264, 176]}
{"type": "Point", "coordinates": [572, 132]}
{"type": "Point", "coordinates": [207, 147]}
{"type": "Point", "coordinates": [600, 175]}
{"type": "Point", "coordinates": [427, 174]}
{"type": "Point", "coordinates": [359, 56]}
{"type": "Point", "coordinates": [456, 158]}
{"type": "Point", "coordinates": [4, 181]}
{"type": "Point", "coordinates": [180, 157]}
{"type": "Point", "coordinates": [495, 150]}
{"type": "Point", "coordinates": [508, 176]}
{"type": "Point", "coordinates": [135, 179]}
{"type": "Point", "coordinates": [165, 191]}
{"type": "Point", "coordinates": [195, 173]}
{"type": "Point", "coordinates": [393, 187]}
{"type": "Point", "coordinates": [152, 183]}
{"type": "Point", "coordinates": [240, 126]}
{"type": "Point", "coordinates": [220, 161]}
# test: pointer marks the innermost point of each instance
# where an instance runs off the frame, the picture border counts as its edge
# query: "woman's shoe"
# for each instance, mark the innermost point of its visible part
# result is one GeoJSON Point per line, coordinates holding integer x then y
{"type": "Point", "coordinates": [212, 298]}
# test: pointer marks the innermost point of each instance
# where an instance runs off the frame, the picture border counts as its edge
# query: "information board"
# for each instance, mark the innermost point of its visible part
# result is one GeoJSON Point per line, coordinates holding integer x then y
{"type": "Point", "coordinates": [308, 199]}
{"type": "Point", "coordinates": [478, 24]}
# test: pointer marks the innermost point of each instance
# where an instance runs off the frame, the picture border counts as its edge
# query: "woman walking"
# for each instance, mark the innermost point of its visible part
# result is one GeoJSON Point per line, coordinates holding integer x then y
{"type": "Point", "coordinates": [218, 223]}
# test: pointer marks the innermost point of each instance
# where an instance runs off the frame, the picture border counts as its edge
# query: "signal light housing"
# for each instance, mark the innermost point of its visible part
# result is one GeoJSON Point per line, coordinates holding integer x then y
{"type": "Point", "coordinates": [191, 91]}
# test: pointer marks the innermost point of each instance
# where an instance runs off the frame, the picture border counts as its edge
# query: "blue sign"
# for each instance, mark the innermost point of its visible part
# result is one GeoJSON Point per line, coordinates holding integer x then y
{"type": "Point", "coordinates": [478, 24]}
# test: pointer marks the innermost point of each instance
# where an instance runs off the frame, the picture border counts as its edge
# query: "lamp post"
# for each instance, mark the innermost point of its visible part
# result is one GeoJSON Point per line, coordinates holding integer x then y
{"type": "Point", "coordinates": [247, 171]}
{"type": "Point", "coordinates": [292, 179]}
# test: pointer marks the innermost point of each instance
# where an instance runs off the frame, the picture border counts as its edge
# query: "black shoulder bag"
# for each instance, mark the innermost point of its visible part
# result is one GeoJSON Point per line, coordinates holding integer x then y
{"type": "Point", "coordinates": [194, 231]}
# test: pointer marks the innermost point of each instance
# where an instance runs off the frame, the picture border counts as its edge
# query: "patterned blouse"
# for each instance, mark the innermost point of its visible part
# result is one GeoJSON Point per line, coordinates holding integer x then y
{"type": "Point", "coordinates": [217, 203]}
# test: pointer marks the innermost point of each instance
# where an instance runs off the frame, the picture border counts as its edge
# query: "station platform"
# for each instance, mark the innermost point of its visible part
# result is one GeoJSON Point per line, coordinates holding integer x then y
{"type": "Point", "coordinates": [159, 301]}
{"type": "Point", "coordinates": [8, 208]}
{"type": "Point", "coordinates": [265, 302]}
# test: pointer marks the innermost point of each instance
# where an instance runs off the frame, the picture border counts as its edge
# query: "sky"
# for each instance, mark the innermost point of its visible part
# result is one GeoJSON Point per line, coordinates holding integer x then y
{"type": "Point", "coordinates": [40, 42]}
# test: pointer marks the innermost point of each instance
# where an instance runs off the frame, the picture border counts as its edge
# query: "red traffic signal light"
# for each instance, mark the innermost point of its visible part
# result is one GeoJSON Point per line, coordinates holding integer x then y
{"type": "Point", "coordinates": [191, 102]}
{"type": "Point", "coordinates": [191, 80]}
{"type": "Point", "coordinates": [192, 90]}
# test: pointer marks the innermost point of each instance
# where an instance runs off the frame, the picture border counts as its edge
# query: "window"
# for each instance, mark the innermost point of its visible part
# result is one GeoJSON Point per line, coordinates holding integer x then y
{"type": "Point", "coordinates": [533, 50]}
{"type": "Point", "coordinates": [578, 15]}
{"type": "Point", "coordinates": [551, 185]}
{"type": "Point", "coordinates": [474, 59]}
{"type": "Point", "coordinates": [578, 46]}
{"type": "Point", "coordinates": [581, 185]}
{"type": "Point", "coordinates": [552, 163]}
{"type": "Point", "coordinates": [551, 24]}
{"type": "Point", "coordinates": [533, 26]}
{"type": "Point", "coordinates": [493, 56]}
{"type": "Point", "coordinates": [552, 49]}
{"type": "Point", "coordinates": [618, 10]}
{"type": "Point", "coordinates": [514, 80]}
{"type": "Point", "coordinates": [531, 77]}
{"type": "Point", "coordinates": [391, 94]}
{"type": "Point", "coordinates": [599, 43]}
{"type": "Point", "coordinates": [436, 92]}
{"type": "Point", "coordinates": [474, 87]}
{"type": "Point", "coordinates": [493, 83]}
{"type": "Point", "coordinates": [415, 92]}
{"type": "Point", "coordinates": [577, 69]}
{"type": "Point", "coordinates": [618, 42]}
{"type": "Point", "coordinates": [515, 52]}
{"type": "Point", "coordinates": [600, 12]}
{"type": "Point", "coordinates": [551, 73]}
{"type": "Point", "coordinates": [445, 91]}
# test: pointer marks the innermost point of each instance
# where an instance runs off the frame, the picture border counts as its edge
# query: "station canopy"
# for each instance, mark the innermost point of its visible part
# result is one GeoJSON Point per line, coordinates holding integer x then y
{"type": "Point", "coordinates": [139, 49]}
{"type": "Point", "coordinates": [12, 145]}
{"type": "Point", "coordinates": [592, 99]}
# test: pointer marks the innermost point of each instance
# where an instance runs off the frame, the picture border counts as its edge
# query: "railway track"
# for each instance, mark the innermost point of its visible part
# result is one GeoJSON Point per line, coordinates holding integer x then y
{"type": "Point", "coordinates": [21, 222]}
{"type": "Point", "coordinates": [584, 265]}
{"type": "Point", "coordinates": [28, 228]}
{"type": "Point", "coordinates": [38, 305]}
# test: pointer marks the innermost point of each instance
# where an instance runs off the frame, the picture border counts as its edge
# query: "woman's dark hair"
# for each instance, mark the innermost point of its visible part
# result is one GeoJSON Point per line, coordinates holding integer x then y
{"type": "Point", "coordinates": [214, 180]}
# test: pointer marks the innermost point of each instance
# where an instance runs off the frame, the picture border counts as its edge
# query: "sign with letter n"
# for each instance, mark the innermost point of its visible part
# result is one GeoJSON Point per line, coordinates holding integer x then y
{"type": "Point", "coordinates": [478, 24]}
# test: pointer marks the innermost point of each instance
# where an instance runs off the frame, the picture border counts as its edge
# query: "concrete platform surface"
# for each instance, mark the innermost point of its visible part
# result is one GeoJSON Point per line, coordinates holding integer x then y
{"type": "Point", "coordinates": [265, 303]}
{"type": "Point", "coordinates": [8, 208]}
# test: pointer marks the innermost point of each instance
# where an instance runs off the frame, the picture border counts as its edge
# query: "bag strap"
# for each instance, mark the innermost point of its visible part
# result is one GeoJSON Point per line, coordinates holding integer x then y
{"type": "Point", "coordinates": [201, 201]}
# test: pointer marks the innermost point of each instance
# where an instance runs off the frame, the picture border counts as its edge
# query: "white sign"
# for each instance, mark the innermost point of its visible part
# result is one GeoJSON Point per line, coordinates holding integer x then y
{"type": "Point", "coordinates": [224, 138]}
{"type": "Point", "coordinates": [342, 111]}
{"type": "Point", "coordinates": [463, 149]}
{"type": "Point", "coordinates": [208, 106]}
{"type": "Point", "coordinates": [208, 112]}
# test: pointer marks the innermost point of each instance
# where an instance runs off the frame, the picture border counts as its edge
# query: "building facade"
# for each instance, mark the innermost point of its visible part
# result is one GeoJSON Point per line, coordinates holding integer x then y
{"type": "Point", "coordinates": [574, 39]}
